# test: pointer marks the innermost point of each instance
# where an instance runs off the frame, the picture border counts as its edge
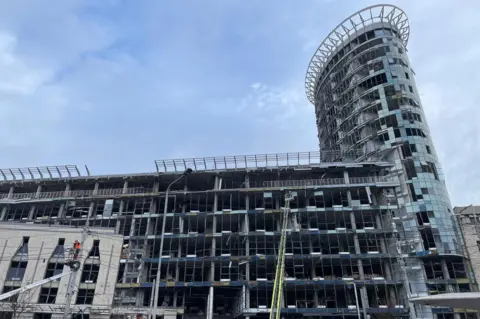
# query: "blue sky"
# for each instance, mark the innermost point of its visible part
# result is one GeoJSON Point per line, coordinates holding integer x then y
{"type": "Point", "coordinates": [117, 84]}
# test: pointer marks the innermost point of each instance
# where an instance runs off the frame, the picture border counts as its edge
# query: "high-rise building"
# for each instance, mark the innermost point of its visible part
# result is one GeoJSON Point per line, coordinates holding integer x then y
{"type": "Point", "coordinates": [362, 226]}
{"type": "Point", "coordinates": [367, 106]}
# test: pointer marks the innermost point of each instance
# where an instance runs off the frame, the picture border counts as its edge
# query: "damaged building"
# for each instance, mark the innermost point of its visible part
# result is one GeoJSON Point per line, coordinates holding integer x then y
{"type": "Point", "coordinates": [355, 230]}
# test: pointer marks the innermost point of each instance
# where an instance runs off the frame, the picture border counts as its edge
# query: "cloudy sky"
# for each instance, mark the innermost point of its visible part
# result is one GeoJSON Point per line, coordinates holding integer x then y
{"type": "Point", "coordinates": [117, 84]}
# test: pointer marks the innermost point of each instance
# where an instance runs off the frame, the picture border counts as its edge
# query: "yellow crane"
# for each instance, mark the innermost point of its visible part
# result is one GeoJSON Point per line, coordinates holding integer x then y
{"type": "Point", "coordinates": [277, 293]}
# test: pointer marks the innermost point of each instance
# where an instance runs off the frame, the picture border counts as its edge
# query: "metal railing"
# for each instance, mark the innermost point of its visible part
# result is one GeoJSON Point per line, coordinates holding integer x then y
{"type": "Point", "coordinates": [144, 190]}
{"type": "Point", "coordinates": [328, 181]}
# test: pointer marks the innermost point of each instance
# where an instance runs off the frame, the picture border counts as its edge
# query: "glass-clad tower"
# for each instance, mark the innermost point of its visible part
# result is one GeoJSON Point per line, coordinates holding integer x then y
{"type": "Point", "coordinates": [367, 107]}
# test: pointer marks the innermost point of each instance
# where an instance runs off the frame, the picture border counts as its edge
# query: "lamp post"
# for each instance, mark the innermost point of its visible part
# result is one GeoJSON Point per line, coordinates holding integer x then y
{"type": "Point", "coordinates": [162, 238]}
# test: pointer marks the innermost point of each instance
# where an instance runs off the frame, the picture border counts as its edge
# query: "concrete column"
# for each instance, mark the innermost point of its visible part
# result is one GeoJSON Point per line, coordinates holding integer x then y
{"type": "Point", "coordinates": [355, 235]}
{"type": "Point", "coordinates": [90, 210]}
{"type": "Point", "coordinates": [388, 270]}
{"type": "Point", "coordinates": [122, 203]}
{"type": "Point", "coordinates": [3, 213]}
{"type": "Point", "coordinates": [153, 205]}
{"type": "Point", "coordinates": [391, 296]}
{"type": "Point", "coordinates": [10, 192]}
{"type": "Point", "coordinates": [446, 275]}
{"type": "Point", "coordinates": [346, 177]}
{"type": "Point", "coordinates": [66, 192]}
{"type": "Point", "coordinates": [31, 212]}
{"type": "Point", "coordinates": [32, 208]}
{"type": "Point", "coordinates": [247, 244]}
{"type": "Point", "coordinates": [209, 310]}
{"type": "Point", "coordinates": [95, 188]}
{"type": "Point", "coordinates": [39, 190]}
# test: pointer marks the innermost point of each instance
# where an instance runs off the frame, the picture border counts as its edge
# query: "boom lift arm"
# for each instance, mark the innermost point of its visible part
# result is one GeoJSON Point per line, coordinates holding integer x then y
{"type": "Point", "coordinates": [74, 266]}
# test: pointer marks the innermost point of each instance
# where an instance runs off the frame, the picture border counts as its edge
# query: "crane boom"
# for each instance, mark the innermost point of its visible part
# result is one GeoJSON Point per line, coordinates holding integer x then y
{"type": "Point", "coordinates": [277, 293]}
{"type": "Point", "coordinates": [74, 266]}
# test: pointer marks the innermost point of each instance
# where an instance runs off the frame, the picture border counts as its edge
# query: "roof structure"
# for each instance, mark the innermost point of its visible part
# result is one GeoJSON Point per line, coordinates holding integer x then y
{"type": "Point", "coordinates": [347, 30]}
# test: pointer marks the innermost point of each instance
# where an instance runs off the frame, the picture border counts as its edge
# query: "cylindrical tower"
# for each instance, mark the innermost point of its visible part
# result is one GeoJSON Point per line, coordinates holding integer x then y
{"type": "Point", "coordinates": [367, 106]}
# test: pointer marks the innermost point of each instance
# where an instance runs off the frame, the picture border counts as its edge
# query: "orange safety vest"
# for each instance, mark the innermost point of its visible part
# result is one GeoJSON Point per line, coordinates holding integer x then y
{"type": "Point", "coordinates": [76, 245]}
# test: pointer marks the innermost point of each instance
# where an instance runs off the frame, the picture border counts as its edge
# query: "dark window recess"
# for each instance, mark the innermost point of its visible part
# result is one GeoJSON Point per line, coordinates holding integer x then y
{"type": "Point", "coordinates": [95, 251]}
{"type": "Point", "coordinates": [48, 295]}
{"type": "Point", "coordinates": [412, 192]}
{"type": "Point", "coordinates": [415, 132]}
{"type": "Point", "coordinates": [410, 88]}
{"type": "Point", "coordinates": [396, 132]}
{"type": "Point", "coordinates": [85, 296]}
{"type": "Point", "coordinates": [392, 103]}
{"type": "Point", "coordinates": [407, 76]}
{"type": "Point", "coordinates": [408, 115]}
{"type": "Point", "coordinates": [90, 273]}
{"type": "Point", "coordinates": [373, 81]}
{"type": "Point", "coordinates": [53, 269]}
{"type": "Point", "coordinates": [17, 270]}
{"type": "Point", "coordinates": [423, 218]}
{"type": "Point", "coordinates": [428, 149]}
{"type": "Point", "coordinates": [400, 50]}
{"type": "Point", "coordinates": [383, 137]}
{"type": "Point", "coordinates": [410, 169]}
{"type": "Point", "coordinates": [478, 245]}
{"type": "Point", "coordinates": [430, 168]}
{"type": "Point", "coordinates": [406, 151]}
{"type": "Point", "coordinates": [61, 241]}
{"type": "Point", "coordinates": [424, 190]}
{"type": "Point", "coordinates": [388, 121]}
{"type": "Point", "coordinates": [44, 316]}
{"type": "Point", "coordinates": [26, 240]}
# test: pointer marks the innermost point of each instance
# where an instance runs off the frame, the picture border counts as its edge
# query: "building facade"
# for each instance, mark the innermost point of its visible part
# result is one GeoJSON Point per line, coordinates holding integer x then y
{"type": "Point", "coordinates": [367, 106]}
{"type": "Point", "coordinates": [370, 223]}
{"type": "Point", "coordinates": [469, 221]}
{"type": "Point", "coordinates": [32, 251]}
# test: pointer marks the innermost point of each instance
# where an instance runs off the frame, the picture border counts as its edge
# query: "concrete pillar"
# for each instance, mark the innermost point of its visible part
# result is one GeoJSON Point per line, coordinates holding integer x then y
{"type": "Point", "coordinates": [39, 190]}
{"type": "Point", "coordinates": [446, 275]}
{"type": "Point", "coordinates": [95, 188]}
{"type": "Point", "coordinates": [66, 192]}
{"type": "Point", "coordinates": [31, 212]}
{"type": "Point", "coordinates": [391, 296]}
{"type": "Point", "coordinates": [153, 205]}
{"type": "Point", "coordinates": [3, 213]}
{"type": "Point", "coordinates": [247, 245]}
{"type": "Point", "coordinates": [10, 192]}
{"type": "Point", "coordinates": [209, 310]}
{"type": "Point", "coordinates": [32, 208]}
{"type": "Point", "coordinates": [122, 203]}
{"type": "Point", "coordinates": [388, 270]}
{"type": "Point", "coordinates": [346, 177]}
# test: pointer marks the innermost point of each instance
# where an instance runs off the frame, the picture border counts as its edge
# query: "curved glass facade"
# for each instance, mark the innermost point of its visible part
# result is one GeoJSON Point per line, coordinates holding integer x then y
{"type": "Point", "coordinates": [367, 103]}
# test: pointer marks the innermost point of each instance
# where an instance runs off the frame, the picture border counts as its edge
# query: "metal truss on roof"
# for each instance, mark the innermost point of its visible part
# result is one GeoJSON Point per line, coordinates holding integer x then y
{"type": "Point", "coordinates": [346, 31]}
{"type": "Point", "coordinates": [37, 173]}
{"type": "Point", "coordinates": [238, 162]}
{"type": "Point", "coordinates": [250, 161]}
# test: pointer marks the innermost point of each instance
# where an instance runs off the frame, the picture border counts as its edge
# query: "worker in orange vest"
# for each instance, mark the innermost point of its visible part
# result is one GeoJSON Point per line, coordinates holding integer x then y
{"type": "Point", "coordinates": [76, 249]}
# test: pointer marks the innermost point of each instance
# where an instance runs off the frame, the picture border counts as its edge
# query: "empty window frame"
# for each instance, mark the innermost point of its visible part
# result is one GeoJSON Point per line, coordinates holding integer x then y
{"type": "Point", "coordinates": [85, 296]}
{"type": "Point", "coordinates": [90, 273]}
{"type": "Point", "coordinates": [48, 295]}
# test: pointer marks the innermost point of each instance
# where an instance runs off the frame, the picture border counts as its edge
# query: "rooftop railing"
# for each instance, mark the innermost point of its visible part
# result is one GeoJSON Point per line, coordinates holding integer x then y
{"type": "Point", "coordinates": [144, 190]}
